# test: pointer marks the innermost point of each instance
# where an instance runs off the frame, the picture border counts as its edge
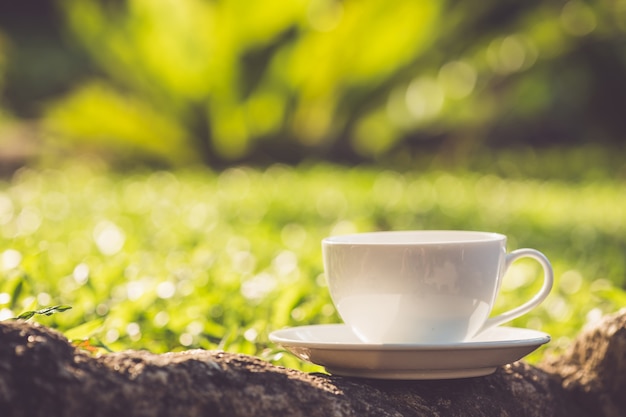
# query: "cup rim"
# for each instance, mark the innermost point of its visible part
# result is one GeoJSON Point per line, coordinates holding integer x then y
{"type": "Point", "coordinates": [414, 237]}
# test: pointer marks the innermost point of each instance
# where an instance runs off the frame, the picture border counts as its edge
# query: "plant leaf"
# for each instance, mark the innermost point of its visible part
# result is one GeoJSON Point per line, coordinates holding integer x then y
{"type": "Point", "coordinates": [25, 315]}
{"type": "Point", "coordinates": [48, 311]}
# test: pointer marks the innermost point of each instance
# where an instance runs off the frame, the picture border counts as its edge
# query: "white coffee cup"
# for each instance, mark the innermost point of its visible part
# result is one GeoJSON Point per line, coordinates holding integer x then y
{"type": "Point", "coordinates": [433, 287]}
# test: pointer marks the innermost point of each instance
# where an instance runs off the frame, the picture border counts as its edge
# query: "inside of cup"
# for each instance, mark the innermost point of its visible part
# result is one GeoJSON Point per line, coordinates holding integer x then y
{"type": "Point", "coordinates": [420, 236]}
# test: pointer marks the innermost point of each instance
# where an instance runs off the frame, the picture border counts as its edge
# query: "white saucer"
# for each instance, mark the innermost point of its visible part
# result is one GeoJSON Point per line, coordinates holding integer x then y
{"type": "Point", "coordinates": [339, 350]}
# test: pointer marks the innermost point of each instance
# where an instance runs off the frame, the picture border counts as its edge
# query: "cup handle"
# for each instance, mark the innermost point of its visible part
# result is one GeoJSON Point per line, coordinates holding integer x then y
{"type": "Point", "coordinates": [548, 280]}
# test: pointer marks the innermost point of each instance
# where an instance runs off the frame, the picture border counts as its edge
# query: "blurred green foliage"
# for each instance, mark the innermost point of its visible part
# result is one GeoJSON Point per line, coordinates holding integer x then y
{"type": "Point", "coordinates": [224, 76]}
{"type": "Point", "coordinates": [216, 81]}
{"type": "Point", "coordinates": [202, 258]}
{"type": "Point", "coordinates": [198, 258]}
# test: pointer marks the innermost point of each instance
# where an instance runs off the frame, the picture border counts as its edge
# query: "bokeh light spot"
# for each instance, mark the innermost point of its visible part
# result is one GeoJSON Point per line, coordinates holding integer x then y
{"type": "Point", "coordinates": [250, 335]}
{"type": "Point", "coordinates": [186, 339]}
{"type": "Point", "coordinates": [578, 19]}
{"type": "Point", "coordinates": [10, 259]}
{"type": "Point", "coordinates": [6, 314]}
{"type": "Point", "coordinates": [424, 98]}
{"type": "Point", "coordinates": [166, 290]}
{"type": "Point", "coordinates": [293, 235]}
{"type": "Point", "coordinates": [257, 287]}
{"type": "Point", "coordinates": [458, 79]}
{"type": "Point", "coordinates": [28, 221]}
{"type": "Point", "coordinates": [331, 203]}
{"type": "Point", "coordinates": [109, 238]}
{"type": "Point", "coordinates": [6, 209]}
{"type": "Point", "coordinates": [161, 319]}
{"type": "Point", "coordinates": [507, 55]}
{"type": "Point", "coordinates": [285, 263]}
{"type": "Point", "coordinates": [571, 282]}
{"type": "Point", "coordinates": [5, 298]}
{"type": "Point", "coordinates": [133, 331]}
{"type": "Point", "coordinates": [44, 299]}
{"type": "Point", "coordinates": [81, 273]}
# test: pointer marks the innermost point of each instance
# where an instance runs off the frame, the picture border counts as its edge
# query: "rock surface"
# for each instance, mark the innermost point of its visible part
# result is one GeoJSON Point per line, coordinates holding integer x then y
{"type": "Point", "coordinates": [593, 369]}
{"type": "Point", "coordinates": [41, 374]}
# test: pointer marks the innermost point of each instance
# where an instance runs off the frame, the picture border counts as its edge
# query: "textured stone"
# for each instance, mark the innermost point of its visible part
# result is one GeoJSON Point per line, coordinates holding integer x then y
{"type": "Point", "coordinates": [593, 368]}
{"type": "Point", "coordinates": [41, 374]}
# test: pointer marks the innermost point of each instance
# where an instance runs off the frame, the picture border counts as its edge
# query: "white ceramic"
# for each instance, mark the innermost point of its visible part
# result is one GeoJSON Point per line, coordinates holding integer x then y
{"type": "Point", "coordinates": [341, 352]}
{"type": "Point", "coordinates": [422, 286]}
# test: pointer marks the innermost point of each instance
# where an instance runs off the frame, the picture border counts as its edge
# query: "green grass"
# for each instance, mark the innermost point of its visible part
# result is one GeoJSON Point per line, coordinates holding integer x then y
{"type": "Point", "coordinates": [168, 261]}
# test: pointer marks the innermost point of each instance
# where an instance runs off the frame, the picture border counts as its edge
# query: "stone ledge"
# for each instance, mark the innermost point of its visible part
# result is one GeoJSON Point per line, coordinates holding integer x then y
{"type": "Point", "coordinates": [41, 374]}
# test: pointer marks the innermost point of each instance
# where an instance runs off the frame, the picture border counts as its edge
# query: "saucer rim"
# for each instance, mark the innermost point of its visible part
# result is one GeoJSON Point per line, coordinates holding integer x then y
{"type": "Point", "coordinates": [412, 374]}
{"type": "Point", "coordinates": [534, 338]}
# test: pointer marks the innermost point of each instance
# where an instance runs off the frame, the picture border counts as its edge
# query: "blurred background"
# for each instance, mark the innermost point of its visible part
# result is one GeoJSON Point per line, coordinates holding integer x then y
{"type": "Point", "coordinates": [169, 167]}
{"type": "Point", "coordinates": [173, 83]}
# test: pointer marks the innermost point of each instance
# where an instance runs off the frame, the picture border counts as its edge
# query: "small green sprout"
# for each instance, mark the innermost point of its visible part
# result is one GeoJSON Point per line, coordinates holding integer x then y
{"type": "Point", "coordinates": [48, 311]}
